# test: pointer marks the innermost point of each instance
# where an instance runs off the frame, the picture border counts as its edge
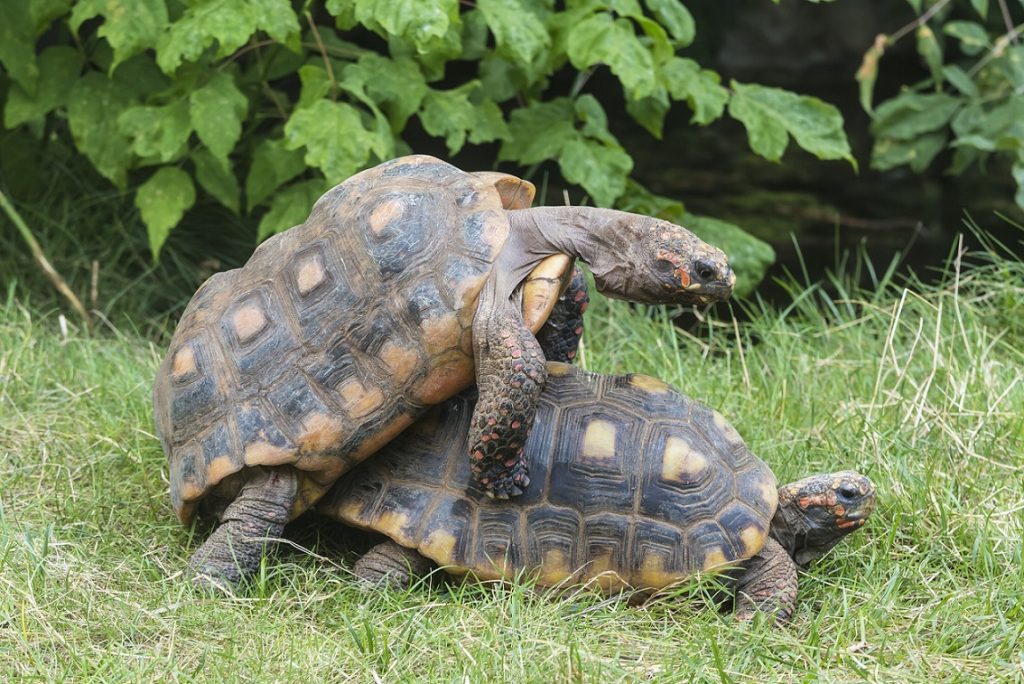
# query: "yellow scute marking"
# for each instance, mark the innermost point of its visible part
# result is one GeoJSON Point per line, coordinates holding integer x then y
{"type": "Point", "coordinates": [554, 567]}
{"type": "Point", "coordinates": [360, 400]}
{"type": "Point", "coordinates": [680, 463]}
{"type": "Point", "coordinates": [752, 537]}
{"type": "Point", "coordinates": [320, 432]}
{"type": "Point", "coordinates": [652, 574]}
{"type": "Point", "coordinates": [385, 213]}
{"type": "Point", "coordinates": [599, 440]}
{"type": "Point", "coordinates": [440, 333]}
{"type": "Point", "coordinates": [265, 453]}
{"type": "Point", "coordinates": [184, 362]}
{"type": "Point", "coordinates": [401, 361]}
{"type": "Point", "coordinates": [393, 525]}
{"type": "Point", "coordinates": [558, 370]}
{"type": "Point", "coordinates": [714, 558]}
{"type": "Point", "coordinates": [439, 546]}
{"type": "Point", "coordinates": [649, 384]}
{"type": "Point", "coordinates": [248, 321]}
{"type": "Point", "coordinates": [770, 494]}
{"type": "Point", "coordinates": [218, 469]}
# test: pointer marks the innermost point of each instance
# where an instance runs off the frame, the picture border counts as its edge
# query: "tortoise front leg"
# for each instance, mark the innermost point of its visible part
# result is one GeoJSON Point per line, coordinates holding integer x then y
{"type": "Point", "coordinates": [391, 565]}
{"type": "Point", "coordinates": [767, 585]}
{"type": "Point", "coordinates": [260, 511]}
{"type": "Point", "coordinates": [560, 335]}
{"type": "Point", "coordinates": [510, 374]}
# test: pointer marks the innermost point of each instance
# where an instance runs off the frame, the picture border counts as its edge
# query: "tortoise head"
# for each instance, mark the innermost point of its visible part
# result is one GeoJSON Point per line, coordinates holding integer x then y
{"type": "Point", "coordinates": [817, 512]}
{"type": "Point", "coordinates": [662, 263]}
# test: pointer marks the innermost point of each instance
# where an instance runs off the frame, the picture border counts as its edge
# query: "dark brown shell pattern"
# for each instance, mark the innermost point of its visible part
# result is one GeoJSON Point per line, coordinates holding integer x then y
{"type": "Point", "coordinates": [334, 336]}
{"type": "Point", "coordinates": [633, 485]}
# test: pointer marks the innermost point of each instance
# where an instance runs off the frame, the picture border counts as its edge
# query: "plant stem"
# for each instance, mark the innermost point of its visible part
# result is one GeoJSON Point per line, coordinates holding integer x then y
{"type": "Point", "coordinates": [932, 11]}
{"type": "Point", "coordinates": [44, 263]}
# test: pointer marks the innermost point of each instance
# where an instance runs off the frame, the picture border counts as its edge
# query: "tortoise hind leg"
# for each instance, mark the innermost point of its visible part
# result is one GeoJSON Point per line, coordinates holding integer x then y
{"type": "Point", "coordinates": [259, 513]}
{"type": "Point", "coordinates": [510, 374]}
{"type": "Point", "coordinates": [392, 565]}
{"type": "Point", "coordinates": [560, 335]}
{"type": "Point", "coordinates": [767, 585]}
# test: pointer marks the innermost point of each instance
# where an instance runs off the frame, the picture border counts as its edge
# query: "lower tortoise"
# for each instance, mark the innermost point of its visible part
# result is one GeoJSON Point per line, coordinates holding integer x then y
{"type": "Point", "coordinates": [636, 486]}
{"type": "Point", "coordinates": [407, 283]}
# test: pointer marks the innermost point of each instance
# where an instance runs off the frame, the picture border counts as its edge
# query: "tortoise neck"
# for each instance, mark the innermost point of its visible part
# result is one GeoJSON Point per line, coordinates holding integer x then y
{"type": "Point", "coordinates": [803, 537]}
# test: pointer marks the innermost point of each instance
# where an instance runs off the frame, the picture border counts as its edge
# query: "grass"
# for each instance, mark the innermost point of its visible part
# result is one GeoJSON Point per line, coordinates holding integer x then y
{"type": "Point", "coordinates": [921, 387]}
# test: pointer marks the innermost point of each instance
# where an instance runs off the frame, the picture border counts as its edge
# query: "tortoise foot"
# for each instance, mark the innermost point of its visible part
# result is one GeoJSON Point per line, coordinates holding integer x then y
{"type": "Point", "coordinates": [508, 483]}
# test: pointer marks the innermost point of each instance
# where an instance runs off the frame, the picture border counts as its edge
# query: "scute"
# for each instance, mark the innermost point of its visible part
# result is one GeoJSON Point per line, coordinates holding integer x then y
{"type": "Point", "coordinates": [607, 505]}
{"type": "Point", "coordinates": [270, 353]}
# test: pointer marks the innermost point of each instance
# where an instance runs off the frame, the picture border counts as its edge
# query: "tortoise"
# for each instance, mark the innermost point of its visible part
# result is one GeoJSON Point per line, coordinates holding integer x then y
{"type": "Point", "coordinates": [405, 280]}
{"type": "Point", "coordinates": [635, 487]}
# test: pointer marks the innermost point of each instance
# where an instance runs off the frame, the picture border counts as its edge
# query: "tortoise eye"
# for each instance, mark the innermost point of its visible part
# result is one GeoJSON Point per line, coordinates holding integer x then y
{"type": "Point", "coordinates": [848, 491]}
{"type": "Point", "coordinates": [706, 271]}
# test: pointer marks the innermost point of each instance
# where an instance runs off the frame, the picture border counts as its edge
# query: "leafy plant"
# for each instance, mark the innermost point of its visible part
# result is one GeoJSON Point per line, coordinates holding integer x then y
{"type": "Point", "coordinates": [971, 100]}
{"type": "Point", "coordinates": [264, 105]}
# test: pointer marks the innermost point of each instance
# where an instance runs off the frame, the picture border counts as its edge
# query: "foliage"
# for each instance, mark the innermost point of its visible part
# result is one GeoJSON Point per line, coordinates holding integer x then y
{"type": "Point", "coordinates": [970, 102]}
{"type": "Point", "coordinates": [263, 105]}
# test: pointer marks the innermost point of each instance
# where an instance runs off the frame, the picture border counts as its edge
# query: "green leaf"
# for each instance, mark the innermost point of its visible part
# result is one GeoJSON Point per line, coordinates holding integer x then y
{"type": "Point", "coordinates": [916, 4]}
{"type": "Point", "coordinates": [600, 169]}
{"type": "Point", "coordinates": [930, 51]}
{"type": "Point", "coordinates": [908, 115]}
{"type": "Point", "coordinates": [130, 26]}
{"type": "Point", "coordinates": [602, 39]}
{"type": "Point", "coordinates": [159, 132]}
{"type": "Point", "coordinates": [94, 104]}
{"type": "Point", "coordinates": [290, 207]}
{"type": "Point", "coordinates": [749, 256]}
{"type": "Point", "coordinates": [396, 85]}
{"type": "Point", "coordinates": [917, 153]}
{"type": "Point", "coordinates": [316, 84]}
{"type": "Point", "coordinates": [425, 24]}
{"type": "Point", "coordinates": [451, 113]}
{"type": "Point", "coordinates": [973, 37]}
{"type": "Point", "coordinates": [216, 180]}
{"type": "Point", "coordinates": [17, 43]}
{"type": "Point", "coordinates": [500, 79]}
{"type": "Point", "coordinates": [981, 7]}
{"type": "Point", "coordinates": [335, 139]}
{"type": "Point", "coordinates": [162, 201]}
{"type": "Point", "coordinates": [867, 73]}
{"type": "Point", "coordinates": [1018, 177]}
{"type": "Point", "coordinates": [674, 16]}
{"type": "Point", "coordinates": [217, 110]}
{"type": "Point", "coordinates": [538, 131]}
{"type": "Point", "coordinates": [520, 35]}
{"type": "Point", "coordinates": [228, 22]}
{"type": "Point", "coordinates": [770, 113]}
{"type": "Point", "coordinates": [650, 112]}
{"type": "Point", "coordinates": [700, 88]}
{"type": "Point", "coordinates": [344, 13]}
{"type": "Point", "coordinates": [959, 79]}
{"type": "Point", "coordinates": [58, 69]}
{"type": "Point", "coordinates": [640, 200]}
{"type": "Point", "coordinates": [273, 165]}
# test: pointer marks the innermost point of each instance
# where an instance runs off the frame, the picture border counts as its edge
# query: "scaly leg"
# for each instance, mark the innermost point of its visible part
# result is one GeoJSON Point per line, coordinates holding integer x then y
{"type": "Point", "coordinates": [234, 550]}
{"type": "Point", "coordinates": [767, 585]}
{"type": "Point", "coordinates": [560, 335]}
{"type": "Point", "coordinates": [389, 564]}
{"type": "Point", "coordinates": [510, 374]}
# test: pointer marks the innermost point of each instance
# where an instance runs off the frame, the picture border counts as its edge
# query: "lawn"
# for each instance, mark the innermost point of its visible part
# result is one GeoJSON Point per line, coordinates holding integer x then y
{"type": "Point", "coordinates": [920, 387]}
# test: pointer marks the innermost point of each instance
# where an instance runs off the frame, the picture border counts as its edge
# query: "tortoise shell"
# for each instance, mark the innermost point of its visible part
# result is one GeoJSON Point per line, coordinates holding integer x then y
{"type": "Point", "coordinates": [269, 365]}
{"type": "Point", "coordinates": [635, 486]}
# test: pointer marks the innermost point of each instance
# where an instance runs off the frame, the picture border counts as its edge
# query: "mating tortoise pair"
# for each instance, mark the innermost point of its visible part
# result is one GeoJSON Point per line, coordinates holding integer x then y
{"type": "Point", "coordinates": [338, 334]}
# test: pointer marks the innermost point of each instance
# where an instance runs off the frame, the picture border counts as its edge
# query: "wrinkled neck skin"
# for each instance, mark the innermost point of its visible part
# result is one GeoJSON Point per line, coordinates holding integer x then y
{"type": "Point", "coordinates": [801, 537]}
{"type": "Point", "coordinates": [599, 237]}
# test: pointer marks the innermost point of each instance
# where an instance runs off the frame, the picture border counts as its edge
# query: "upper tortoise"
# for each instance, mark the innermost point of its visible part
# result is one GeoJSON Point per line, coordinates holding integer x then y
{"type": "Point", "coordinates": [635, 486]}
{"type": "Point", "coordinates": [338, 333]}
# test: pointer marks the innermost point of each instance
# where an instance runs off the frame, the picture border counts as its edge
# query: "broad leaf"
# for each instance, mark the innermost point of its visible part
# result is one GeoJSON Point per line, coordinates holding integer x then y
{"type": "Point", "coordinates": [290, 207]}
{"type": "Point", "coordinates": [674, 16]}
{"type": "Point", "coordinates": [162, 201]}
{"type": "Point", "coordinates": [58, 69]}
{"type": "Point", "coordinates": [959, 79]}
{"type": "Point", "coordinates": [94, 104]}
{"type": "Point", "coordinates": [908, 115]}
{"type": "Point", "coordinates": [867, 73]}
{"type": "Point", "coordinates": [973, 37]}
{"type": "Point", "coordinates": [650, 112]}
{"type": "Point", "coordinates": [422, 23]}
{"type": "Point", "coordinates": [273, 165]}
{"type": "Point", "coordinates": [130, 26]}
{"type": "Point", "coordinates": [601, 39]}
{"type": "Point", "coordinates": [316, 84]}
{"type": "Point", "coordinates": [917, 153]}
{"type": "Point", "coordinates": [216, 180]}
{"type": "Point", "coordinates": [217, 111]}
{"type": "Point", "coordinates": [930, 51]}
{"type": "Point", "coordinates": [981, 7]}
{"type": "Point", "coordinates": [451, 113]}
{"type": "Point", "coordinates": [538, 131]}
{"type": "Point", "coordinates": [749, 257]}
{"type": "Point", "coordinates": [396, 85]}
{"type": "Point", "coordinates": [518, 32]}
{"type": "Point", "coordinates": [600, 169]}
{"type": "Point", "coordinates": [769, 114]}
{"type": "Point", "coordinates": [700, 88]}
{"type": "Point", "coordinates": [335, 139]}
{"type": "Point", "coordinates": [159, 132]}
{"type": "Point", "coordinates": [228, 22]}
{"type": "Point", "coordinates": [17, 43]}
